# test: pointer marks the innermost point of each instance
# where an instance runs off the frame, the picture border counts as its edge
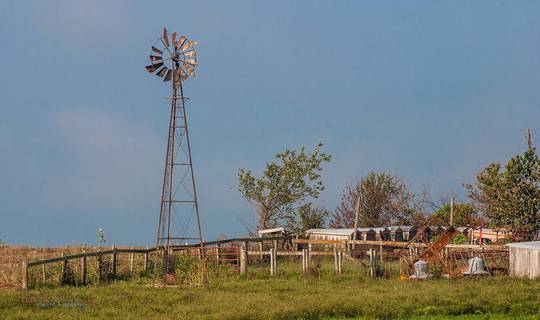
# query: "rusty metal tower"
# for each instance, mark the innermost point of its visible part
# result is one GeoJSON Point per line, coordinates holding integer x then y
{"type": "Point", "coordinates": [173, 59]}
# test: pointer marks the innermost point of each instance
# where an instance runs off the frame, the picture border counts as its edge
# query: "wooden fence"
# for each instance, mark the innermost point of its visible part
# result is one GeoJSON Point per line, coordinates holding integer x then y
{"type": "Point", "coordinates": [238, 249]}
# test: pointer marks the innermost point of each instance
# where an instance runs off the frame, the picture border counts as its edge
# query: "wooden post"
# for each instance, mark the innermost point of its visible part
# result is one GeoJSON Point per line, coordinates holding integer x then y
{"type": "Point", "coordinates": [356, 213]}
{"type": "Point", "coordinates": [43, 274]}
{"type": "Point", "coordinates": [131, 257]}
{"type": "Point", "coordinates": [98, 260]}
{"type": "Point", "coordinates": [272, 258]}
{"type": "Point", "coordinates": [305, 260]}
{"type": "Point", "coordinates": [261, 246]}
{"type": "Point", "coordinates": [24, 275]}
{"type": "Point", "coordinates": [452, 211]}
{"type": "Point", "coordinates": [275, 243]}
{"type": "Point", "coordinates": [83, 269]}
{"type": "Point", "coordinates": [243, 260]}
{"type": "Point", "coordinates": [340, 261]}
{"type": "Point", "coordinates": [246, 246]}
{"type": "Point", "coordinates": [275, 261]}
{"type": "Point", "coordinates": [114, 259]}
{"type": "Point", "coordinates": [145, 262]}
{"type": "Point", "coordinates": [381, 251]}
{"type": "Point", "coordinates": [64, 266]}
{"type": "Point", "coordinates": [336, 267]}
{"type": "Point", "coordinates": [218, 245]}
{"type": "Point", "coordinates": [371, 263]}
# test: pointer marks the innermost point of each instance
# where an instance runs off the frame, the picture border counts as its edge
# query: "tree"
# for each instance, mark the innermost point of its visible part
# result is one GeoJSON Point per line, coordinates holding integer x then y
{"type": "Point", "coordinates": [384, 200]}
{"type": "Point", "coordinates": [286, 183]}
{"type": "Point", "coordinates": [464, 215]}
{"type": "Point", "coordinates": [309, 217]}
{"type": "Point", "coordinates": [510, 196]}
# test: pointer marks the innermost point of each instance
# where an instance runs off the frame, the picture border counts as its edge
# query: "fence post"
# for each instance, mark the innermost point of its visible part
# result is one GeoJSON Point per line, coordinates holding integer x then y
{"type": "Point", "coordinates": [64, 267]}
{"type": "Point", "coordinates": [98, 261]}
{"type": "Point", "coordinates": [371, 263]}
{"type": "Point", "coordinates": [24, 275]}
{"type": "Point", "coordinates": [246, 246]}
{"type": "Point", "coordinates": [272, 261]}
{"type": "Point", "coordinates": [305, 260]}
{"type": "Point", "coordinates": [336, 262]}
{"type": "Point", "coordinates": [114, 258]}
{"type": "Point", "coordinates": [83, 268]}
{"type": "Point", "coordinates": [131, 257]}
{"type": "Point", "coordinates": [146, 260]}
{"type": "Point", "coordinates": [243, 260]}
{"type": "Point", "coordinates": [218, 245]}
{"type": "Point", "coordinates": [275, 260]}
{"type": "Point", "coordinates": [340, 261]}
{"type": "Point", "coordinates": [43, 274]}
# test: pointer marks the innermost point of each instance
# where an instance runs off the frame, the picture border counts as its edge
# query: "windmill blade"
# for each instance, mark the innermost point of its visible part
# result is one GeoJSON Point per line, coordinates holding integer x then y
{"type": "Point", "coordinates": [150, 68]}
{"type": "Point", "coordinates": [155, 58]}
{"type": "Point", "coordinates": [180, 42]}
{"type": "Point", "coordinates": [165, 37]}
{"type": "Point", "coordinates": [189, 69]}
{"type": "Point", "coordinates": [168, 76]}
{"type": "Point", "coordinates": [191, 61]}
{"type": "Point", "coordinates": [191, 54]}
{"type": "Point", "coordinates": [153, 67]}
{"type": "Point", "coordinates": [173, 39]}
{"type": "Point", "coordinates": [187, 45]}
{"type": "Point", "coordinates": [182, 74]}
{"type": "Point", "coordinates": [156, 50]}
{"type": "Point", "coordinates": [162, 72]}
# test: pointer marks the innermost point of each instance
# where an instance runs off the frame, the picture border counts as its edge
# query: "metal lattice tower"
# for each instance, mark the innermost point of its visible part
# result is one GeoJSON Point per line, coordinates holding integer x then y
{"type": "Point", "coordinates": [179, 222]}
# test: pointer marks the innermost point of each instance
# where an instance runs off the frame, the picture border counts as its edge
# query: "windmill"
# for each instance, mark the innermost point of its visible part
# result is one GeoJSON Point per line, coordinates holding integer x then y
{"type": "Point", "coordinates": [173, 59]}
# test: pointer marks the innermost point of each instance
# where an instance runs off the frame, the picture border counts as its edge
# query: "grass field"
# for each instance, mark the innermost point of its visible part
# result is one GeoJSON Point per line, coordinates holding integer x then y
{"type": "Point", "coordinates": [289, 295]}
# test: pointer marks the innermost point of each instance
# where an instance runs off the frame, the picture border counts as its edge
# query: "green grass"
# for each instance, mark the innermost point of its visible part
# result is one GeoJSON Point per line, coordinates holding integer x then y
{"type": "Point", "coordinates": [289, 295]}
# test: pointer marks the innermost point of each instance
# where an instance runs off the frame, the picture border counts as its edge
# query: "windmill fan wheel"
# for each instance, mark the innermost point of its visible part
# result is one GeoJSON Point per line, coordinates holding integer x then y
{"type": "Point", "coordinates": [173, 58]}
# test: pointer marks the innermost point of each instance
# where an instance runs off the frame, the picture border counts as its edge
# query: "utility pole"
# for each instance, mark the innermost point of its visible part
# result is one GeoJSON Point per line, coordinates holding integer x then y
{"type": "Point", "coordinates": [356, 214]}
{"type": "Point", "coordinates": [452, 211]}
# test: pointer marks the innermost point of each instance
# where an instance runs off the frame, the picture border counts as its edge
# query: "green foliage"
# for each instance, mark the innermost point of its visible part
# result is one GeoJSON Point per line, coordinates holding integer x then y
{"type": "Point", "coordinates": [190, 271]}
{"type": "Point", "coordinates": [435, 270]}
{"type": "Point", "coordinates": [308, 217]}
{"type": "Point", "coordinates": [285, 184]}
{"type": "Point", "coordinates": [511, 196]}
{"type": "Point", "coordinates": [464, 215]}
{"type": "Point", "coordinates": [460, 239]}
{"type": "Point", "coordinates": [384, 200]}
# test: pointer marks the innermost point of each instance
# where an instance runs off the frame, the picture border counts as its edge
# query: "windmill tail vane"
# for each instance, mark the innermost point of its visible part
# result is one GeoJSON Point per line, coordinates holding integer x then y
{"type": "Point", "coordinates": [174, 58]}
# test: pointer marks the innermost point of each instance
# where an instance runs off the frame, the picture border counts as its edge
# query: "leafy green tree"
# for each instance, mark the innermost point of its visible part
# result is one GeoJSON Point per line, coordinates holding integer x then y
{"type": "Point", "coordinates": [510, 196]}
{"type": "Point", "coordinates": [464, 215]}
{"type": "Point", "coordinates": [309, 217]}
{"type": "Point", "coordinates": [384, 200]}
{"type": "Point", "coordinates": [285, 184]}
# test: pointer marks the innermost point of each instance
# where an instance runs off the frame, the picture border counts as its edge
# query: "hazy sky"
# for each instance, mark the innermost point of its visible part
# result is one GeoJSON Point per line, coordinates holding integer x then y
{"type": "Point", "coordinates": [430, 90]}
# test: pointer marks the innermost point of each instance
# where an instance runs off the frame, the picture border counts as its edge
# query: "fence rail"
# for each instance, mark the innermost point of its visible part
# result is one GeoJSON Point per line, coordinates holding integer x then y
{"type": "Point", "coordinates": [222, 250]}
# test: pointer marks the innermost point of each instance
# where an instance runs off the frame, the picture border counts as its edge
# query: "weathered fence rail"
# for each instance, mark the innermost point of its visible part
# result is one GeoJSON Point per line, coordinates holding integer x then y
{"type": "Point", "coordinates": [237, 251]}
{"type": "Point", "coordinates": [83, 256]}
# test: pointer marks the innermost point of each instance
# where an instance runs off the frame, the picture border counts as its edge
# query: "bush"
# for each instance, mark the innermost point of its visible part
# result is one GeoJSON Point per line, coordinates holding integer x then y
{"type": "Point", "coordinates": [190, 271]}
{"type": "Point", "coordinates": [460, 239]}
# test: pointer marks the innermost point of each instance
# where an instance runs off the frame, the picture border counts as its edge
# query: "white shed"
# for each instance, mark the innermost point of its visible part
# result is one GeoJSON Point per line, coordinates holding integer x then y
{"type": "Point", "coordinates": [330, 234]}
{"type": "Point", "coordinates": [525, 259]}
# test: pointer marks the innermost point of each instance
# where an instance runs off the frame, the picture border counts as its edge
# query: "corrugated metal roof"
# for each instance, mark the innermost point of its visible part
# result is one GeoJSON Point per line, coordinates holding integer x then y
{"type": "Point", "coordinates": [266, 231]}
{"type": "Point", "coordinates": [531, 245]}
{"type": "Point", "coordinates": [340, 232]}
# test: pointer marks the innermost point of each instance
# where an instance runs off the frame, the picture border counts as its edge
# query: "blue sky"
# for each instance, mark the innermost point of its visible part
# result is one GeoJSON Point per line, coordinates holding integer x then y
{"type": "Point", "coordinates": [430, 90]}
